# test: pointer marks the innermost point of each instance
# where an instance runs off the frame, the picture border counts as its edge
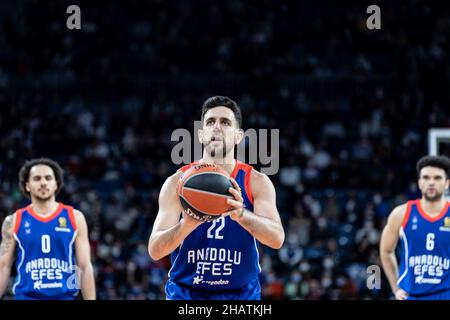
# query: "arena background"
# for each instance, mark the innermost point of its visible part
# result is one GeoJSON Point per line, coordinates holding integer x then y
{"type": "Point", "coordinates": [353, 107]}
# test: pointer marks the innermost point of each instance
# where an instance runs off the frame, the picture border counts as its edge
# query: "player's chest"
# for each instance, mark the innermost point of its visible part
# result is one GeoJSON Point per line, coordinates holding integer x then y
{"type": "Point", "coordinates": [427, 234]}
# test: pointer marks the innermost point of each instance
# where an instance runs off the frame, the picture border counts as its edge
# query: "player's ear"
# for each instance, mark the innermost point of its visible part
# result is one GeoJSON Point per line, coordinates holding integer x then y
{"type": "Point", "coordinates": [27, 188]}
{"type": "Point", "coordinates": [200, 135]}
{"type": "Point", "coordinates": [238, 135]}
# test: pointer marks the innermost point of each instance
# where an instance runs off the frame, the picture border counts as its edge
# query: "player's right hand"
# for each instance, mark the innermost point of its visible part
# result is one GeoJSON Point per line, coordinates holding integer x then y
{"type": "Point", "coordinates": [190, 222]}
{"type": "Point", "coordinates": [401, 294]}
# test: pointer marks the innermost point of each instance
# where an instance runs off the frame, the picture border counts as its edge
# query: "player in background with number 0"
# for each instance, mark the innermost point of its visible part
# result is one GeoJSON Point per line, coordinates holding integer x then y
{"type": "Point", "coordinates": [423, 226]}
{"type": "Point", "coordinates": [49, 238]}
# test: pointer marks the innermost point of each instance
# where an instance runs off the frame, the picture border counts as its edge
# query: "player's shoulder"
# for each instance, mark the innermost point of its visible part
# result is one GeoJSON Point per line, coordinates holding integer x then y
{"type": "Point", "coordinates": [170, 184]}
{"type": "Point", "coordinates": [260, 180]}
{"type": "Point", "coordinates": [398, 213]}
{"type": "Point", "coordinates": [9, 221]}
{"type": "Point", "coordinates": [173, 178]}
{"type": "Point", "coordinates": [258, 176]}
{"type": "Point", "coordinates": [77, 213]}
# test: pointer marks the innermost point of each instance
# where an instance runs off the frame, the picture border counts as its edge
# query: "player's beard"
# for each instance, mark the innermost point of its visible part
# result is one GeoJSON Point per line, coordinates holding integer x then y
{"type": "Point", "coordinates": [221, 152]}
{"type": "Point", "coordinates": [40, 198]}
{"type": "Point", "coordinates": [218, 153]}
{"type": "Point", "coordinates": [437, 196]}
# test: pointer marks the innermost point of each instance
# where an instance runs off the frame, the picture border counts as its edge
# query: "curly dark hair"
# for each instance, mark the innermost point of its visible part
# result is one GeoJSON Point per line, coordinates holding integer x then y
{"type": "Point", "coordinates": [24, 174]}
{"type": "Point", "coordinates": [222, 101]}
{"type": "Point", "coordinates": [441, 162]}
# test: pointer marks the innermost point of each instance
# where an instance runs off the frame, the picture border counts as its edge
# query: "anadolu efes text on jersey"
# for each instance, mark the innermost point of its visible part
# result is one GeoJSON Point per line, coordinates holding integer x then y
{"type": "Point", "coordinates": [425, 256]}
{"type": "Point", "coordinates": [45, 253]}
{"type": "Point", "coordinates": [219, 255]}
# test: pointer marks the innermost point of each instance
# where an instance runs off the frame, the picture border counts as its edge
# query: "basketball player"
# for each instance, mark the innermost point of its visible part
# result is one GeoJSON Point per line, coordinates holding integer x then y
{"type": "Point", "coordinates": [424, 228]}
{"type": "Point", "coordinates": [219, 259]}
{"type": "Point", "coordinates": [49, 238]}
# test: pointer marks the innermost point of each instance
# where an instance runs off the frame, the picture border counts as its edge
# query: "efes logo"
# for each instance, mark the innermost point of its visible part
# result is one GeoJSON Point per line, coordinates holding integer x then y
{"type": "Point", "coordinates": [62, 222]}
{"type": "Point", "coordinates": [447, 222]}
{"type": "Point", "coordinates": [62, 225]}
{"type": "Point", "coordinates": [446, 226]}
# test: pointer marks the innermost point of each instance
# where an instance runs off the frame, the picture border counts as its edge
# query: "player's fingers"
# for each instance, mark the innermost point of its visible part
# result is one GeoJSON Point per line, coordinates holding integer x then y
{"type": "Point", "coordinates": [234, 203]}
{"type": "Point", "coordinates": [237, 195]}
{"type": "Point", "coordinates": [235, 184]}
{"type": "Point", "coordinates": [401, 295]}
{"type": "Point", "coordinates": [235, 214]}
{"type": "Point", "coordinates": [191, 219]}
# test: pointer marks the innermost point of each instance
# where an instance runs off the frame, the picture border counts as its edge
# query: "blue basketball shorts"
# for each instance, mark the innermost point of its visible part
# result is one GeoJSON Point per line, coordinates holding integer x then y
{"type": "Point", "coordinates": [60, 297]}
{"type": "Point", "coordinates": [441, 295]}
{"type": "Point", "coordinates": [174, 291]}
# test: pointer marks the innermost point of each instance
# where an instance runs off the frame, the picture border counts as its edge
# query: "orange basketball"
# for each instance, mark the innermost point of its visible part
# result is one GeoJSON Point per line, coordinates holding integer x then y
{"type": "Point", "coordinates": [203, 191]}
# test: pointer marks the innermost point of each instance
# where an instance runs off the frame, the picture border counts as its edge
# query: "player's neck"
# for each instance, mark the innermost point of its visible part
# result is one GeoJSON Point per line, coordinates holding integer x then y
{"type": "Point", "coordinates": [433, 208]}
{"type": "Point", "coordinates": [228, 162]}
{"type": "Point", "coordinates": [44, 208]}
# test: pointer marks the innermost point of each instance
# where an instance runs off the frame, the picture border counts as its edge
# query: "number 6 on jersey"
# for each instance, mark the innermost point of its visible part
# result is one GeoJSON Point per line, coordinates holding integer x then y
{"type": "Point", "coordinates": [430, 241]}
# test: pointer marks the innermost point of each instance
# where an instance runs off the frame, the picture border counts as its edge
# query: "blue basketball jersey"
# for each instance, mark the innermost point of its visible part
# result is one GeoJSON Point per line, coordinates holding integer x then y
{"type": "Point", "coordinates": [218, 255]}
{"type": "Point", "coordinates": [425, 254]}
{"type": "Point", "coordinates": [45, 260]}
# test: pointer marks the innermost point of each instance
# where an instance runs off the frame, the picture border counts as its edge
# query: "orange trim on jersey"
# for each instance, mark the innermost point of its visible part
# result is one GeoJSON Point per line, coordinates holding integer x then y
{"type": "Point", "coordinates": [49, 217]}
{"type": "Point", "coordinates": [426, 216]}
{"type": "Point", "coordinates": [247, 183]}
{"type": "Point", "coordinates": [71, 215]}
{"type": "Point", "coordinates": [18, 221]}
{"type": "Point", "coordinates": [407, 214]}
{"type": "Point", "coordinates": [237, 166]}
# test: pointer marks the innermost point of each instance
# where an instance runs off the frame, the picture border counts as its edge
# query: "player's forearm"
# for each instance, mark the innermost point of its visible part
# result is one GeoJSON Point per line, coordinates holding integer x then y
{"type": "Point", "coordinates": [87, 282]}
{"type": "Point", "coordinates": [390, 268]}
{"type": "Point", "coordinates": [162, 243]}
{"type": "Point", "coordinates": [265, 230]}
{"type": "Point", "coordinates": [5, 272]}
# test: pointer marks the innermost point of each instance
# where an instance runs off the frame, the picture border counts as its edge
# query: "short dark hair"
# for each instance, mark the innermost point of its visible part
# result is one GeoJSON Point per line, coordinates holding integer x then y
{"type": "Point", "coordinates": [441, 162]}
{"type": "Point", "coordinates": [222, 101]}
{"type": "Point", "coordinates": [24, 174]}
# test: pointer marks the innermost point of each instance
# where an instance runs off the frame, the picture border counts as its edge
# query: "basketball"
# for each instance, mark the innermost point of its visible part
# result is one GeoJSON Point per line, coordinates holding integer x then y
{"type": "Point", "coordinates": [203, 191]}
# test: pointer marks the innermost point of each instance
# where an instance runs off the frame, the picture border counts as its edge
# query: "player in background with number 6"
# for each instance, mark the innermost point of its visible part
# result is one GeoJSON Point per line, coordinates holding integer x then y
{"type": "Point", "coordinates": [423, 226]}
{"type": "Point", "coordinates": [49, 238]}
{"type": "Point", "coordinates": [219, 259]}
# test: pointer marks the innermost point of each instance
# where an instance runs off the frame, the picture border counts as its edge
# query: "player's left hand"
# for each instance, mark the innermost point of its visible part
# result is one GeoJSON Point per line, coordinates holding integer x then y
{"type": "Point", "coordinates": [238, 203]}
